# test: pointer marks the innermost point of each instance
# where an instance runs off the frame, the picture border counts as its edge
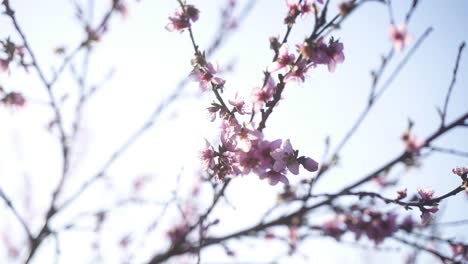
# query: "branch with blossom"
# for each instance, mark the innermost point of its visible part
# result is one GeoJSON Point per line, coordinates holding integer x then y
{"type": "Point", "coordinates": [286, 157]}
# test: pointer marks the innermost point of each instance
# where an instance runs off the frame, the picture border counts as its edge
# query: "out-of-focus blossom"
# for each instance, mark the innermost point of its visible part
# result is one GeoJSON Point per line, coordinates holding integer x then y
{"type": "Point", "coordinates": [399, 36]}
{"type": "Point", "coordinates": [239, 105]}
{"type": "Point", "coordinates": [180, 20]}
{"type": "Point", "coordinates": [274, 177]}
{"type": "Point", "coordinates": [284, 59]}
{"type": "Point", "coordinates": [262, 95]}
{"type": "Point", "coordinates": [207, 155]}
{"type": "Point", "coordinates": [205, 76]}
{"type": "Point", "coordinates": [412, 143]}
{"type": "Point", "coordinates": [178, 233]}
{"type": "Point", "coordinates": [334, 228]}
{"type": "Point", "coordinates": [4, 65]}
{"type": "Point", "coordinates": [298, 71]}
{"type": "Point", "coordinates": [309, 164]}
{"type": "Point", "coordinates": [425, 193]}
{"type": "Point", "coordinates": [462, 171]}
{"type": "Point", "coordinates": [427, 214]}
{"type": "Point", "coordinates": [14, 99]}
{"type": "Point", "coordinates": [285, 157]}
{"type": "Point", "coordinates": [459, 251]}
{"type": "Point", "coordinates": [407, 224]}
{"type": "Point", "coordinates": [401, 194]}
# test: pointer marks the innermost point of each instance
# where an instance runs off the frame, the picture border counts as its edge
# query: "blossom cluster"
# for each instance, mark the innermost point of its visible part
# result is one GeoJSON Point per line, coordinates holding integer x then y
{"type": "Point", "coordinates": [376, 226]}
{"type": "Point", "coordinates": [459, 251]}
{"type": "Point", "coordinates": [426, 194]}
{"type": "Point", "coordinates": [205, 74]}
{"type": "Point", "coordinates": [14, 99]}
{"type": "Point", "coordinates": [412, 143]}
{"type": "Point", "coordinates": [311, 54]}
{"type": "Point", "coordinates": [462, 172]}
{"type": "Point", "coordinates": [11, 53]}
{"type": "Point", "coordinates": [304, 8]}
{"type": "Point", "coordinates": [181, 19]}
{"type": "Point", "coordinates": [244, 150]}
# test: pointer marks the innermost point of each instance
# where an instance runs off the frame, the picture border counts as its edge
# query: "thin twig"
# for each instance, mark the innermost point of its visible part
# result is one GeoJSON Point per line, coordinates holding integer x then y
{"type": "Point", "coordinates": [452, 84]}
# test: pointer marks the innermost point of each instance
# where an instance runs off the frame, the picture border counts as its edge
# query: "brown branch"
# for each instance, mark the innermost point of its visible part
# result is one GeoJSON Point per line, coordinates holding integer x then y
{"type": "Point", "coordinates": [15, 212]}
{"type": "Point", "coordinates": [443, 258]}
{"type": "Point", "coordinates": [287, 219]}
{"type": "Point", "coordinates": [452, 84]}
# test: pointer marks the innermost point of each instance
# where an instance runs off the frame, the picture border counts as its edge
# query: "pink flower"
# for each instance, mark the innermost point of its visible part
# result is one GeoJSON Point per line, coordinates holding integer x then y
{"type": "Point", "coordinates": [181, 18]}
{"type": "Point", "coordinates": [274, 177]}
{"type": "Point", "coordinates": [263, 151]}
{"type": "Point", "coordinates": [4, 65]}
{"type": "Point", "coordinates": [298, 72]}
{"type": "Point", "coordinates": [206, 76]}
{"type": "Point", "coordinates": [212, 111]}
{"type": "Point", "coordinates": [229, 129]}
{"type": "Point", "coordinates": [292, 4]}
{"type": "Point", "coordinates": [293, 238]}
{"type": "Point", "coordinates": [248, 161]}
{"type": "Point", "coordinates": [330, 55]}
{"type": "Point", "coordinates": [178, 22]}
{"type": "Point", "coordinates": [245, 136]}
{"type": "Point", "coordinates": [283, 60]}
{"type": "Point", "coordinates": [459, 250]}
{"type": "Point", "coordinates": [413, 143]}
{"type": "Point", "coordinates": [426, 215]}
{"type": "Point", "coordinates": [14, 99]}
{"type": "Point", "coordinates": [382, 227]}
{"type": "Point", "coordinates": [207, 155]}
{"type": "Point", "coordinates": [239, 105]}
{"type": "Point", "coordinates": [407, 224]}
{"type": "Point", "coordinates": [305, 8]}
{"type": "Point", "coordinates": [285, 157]}
{"type": "Point", "coordinates": [334, 228]}
{"type": "Point", "coordinates": [462, 172]}
{"type": "Point", "coordinates": [335, 52]}
{"type": "Point", "coordinates": [178, 233]}
{"type": "Point", "coordinates": [192, 12]}
{"type": "Point", "coordinates": [262, 95]}
{"type": "Point", "coordinates": [399, 36]}
{"type": "Point", "coordinates": [122, 9]}
{"type": "Point", "coordinates": [402, 194]}
{"type": "Point", "coordinates": [308, 164]}
{"type": "Point", "coordinates": [425, 193]}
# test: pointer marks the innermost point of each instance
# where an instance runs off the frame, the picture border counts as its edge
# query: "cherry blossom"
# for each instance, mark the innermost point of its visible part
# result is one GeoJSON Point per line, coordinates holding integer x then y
{"type": "Point", "coordinates": [298, 71]}
{"type": "Point", "coordinates": [427, 214]}
{"type": "Point", "coordinates": [205, 76]}
{"type": "Point", "coordinates": [285, 157]}
{"type": "Point", "coordinates": [399, 36]}
{"type": "Point", "coordinates": [261, 95]}
{"type": "Point", "coordinates": [207, 155]}
{"type": "Point", "coordinates": [274, 177]}
{"type": "Point", "coordinates": [14, 99]}
{"type": "Point", "coordinates": [283, 60]}
{"type": "Point", "coordinates": [180, 20]}
{"type": "Point", "coordinates": [425, 193]}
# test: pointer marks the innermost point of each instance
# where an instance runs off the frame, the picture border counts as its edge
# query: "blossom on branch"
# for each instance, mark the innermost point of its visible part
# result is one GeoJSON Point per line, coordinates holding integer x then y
{"type": "Point", "coordinates": [180, 20]}
{"type": "Point", "coordinates": [206, 75]}
{"type": "Point", "coordinates": [425, 193]}
{"type": "Point", "coordinates": [284, 59]}
{"type": "Point", "coordinates": [399, 36]}
{"type": "Point", "coordinates": [14, 99]}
